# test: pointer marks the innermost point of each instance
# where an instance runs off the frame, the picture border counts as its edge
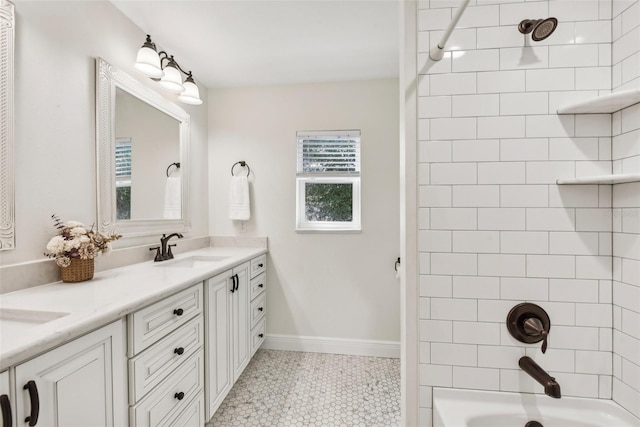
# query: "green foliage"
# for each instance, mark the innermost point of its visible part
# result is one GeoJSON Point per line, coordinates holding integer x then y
{"type": "Point", "coordinates": [328, 202]}
{"type": "Point", "coordinates": [123, 202]}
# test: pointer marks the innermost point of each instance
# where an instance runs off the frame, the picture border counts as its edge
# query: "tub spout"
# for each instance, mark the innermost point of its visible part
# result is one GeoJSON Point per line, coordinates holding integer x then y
{"type": "Point", "coordinates": [551, 387]}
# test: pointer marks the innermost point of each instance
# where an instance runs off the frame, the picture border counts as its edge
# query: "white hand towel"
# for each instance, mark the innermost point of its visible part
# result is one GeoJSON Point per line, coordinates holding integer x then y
{"type": "Point", "coordinates": [172, 202]}
{"type": "Point", "coordinates": [239, 207]}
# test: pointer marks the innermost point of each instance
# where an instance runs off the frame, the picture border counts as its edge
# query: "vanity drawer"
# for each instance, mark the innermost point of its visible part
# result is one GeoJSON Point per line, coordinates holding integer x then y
{"type": "Point", "coordinates": [172, 396]}
{"type": "Point", "coordinates": [150, 367]}
{"type": "Point", "coordinates": [258, 308]}
{"type": "Point", "coordinates": [150, 324]}
{"type": "Point", "coordinates": [258, 265]}
{"type": "Point", "coordinates": [193, 415]}
{"type": "Point", "coordinates": [258, 335]}
{"type": "Point", "coordinates": [257, 286]}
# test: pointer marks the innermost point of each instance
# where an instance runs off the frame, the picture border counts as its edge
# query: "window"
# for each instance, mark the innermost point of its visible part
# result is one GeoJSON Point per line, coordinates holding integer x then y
{"type": "Point", "coordinates": [123, 178]}
{"type": "Point", "coordinates": [328, 181]}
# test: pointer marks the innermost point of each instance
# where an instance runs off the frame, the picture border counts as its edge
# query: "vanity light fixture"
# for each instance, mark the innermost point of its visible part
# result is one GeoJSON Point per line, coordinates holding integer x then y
{"type": "Point", "coordinates": [150, 63]}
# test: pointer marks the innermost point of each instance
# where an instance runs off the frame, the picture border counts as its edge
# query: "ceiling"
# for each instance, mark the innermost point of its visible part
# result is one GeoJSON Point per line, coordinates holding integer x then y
{"type": "Point", "coordinates": [270, 42]}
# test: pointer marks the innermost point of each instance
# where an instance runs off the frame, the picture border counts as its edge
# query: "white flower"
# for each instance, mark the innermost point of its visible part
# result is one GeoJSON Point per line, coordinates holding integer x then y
{"type": "Point", "coordinates": [69, 245]}
{"type": "Point", "coordinates": [56, 245]}
{"type": "Point", "coordinates": [84, 239]}
{"type": "Point", "coordinates": [72, 224]}
{"type": "Point", "coordinates": [78, 231]}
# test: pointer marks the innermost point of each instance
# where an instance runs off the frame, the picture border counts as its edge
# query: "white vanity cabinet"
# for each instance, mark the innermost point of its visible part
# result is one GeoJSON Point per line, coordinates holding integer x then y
{"type": "Point", "coordinates": [218, 369]}
{"type": "Point", "coordinates": [6, 401]}
{"type": "Point", "coordinates": [258, 302]}
{"type": "Point", "coordinates": [166, 365]}
{"type": "Point", "coordinates": [240, 320]}
{"type": "Point", "coordinates": [81, 383]}
{"type": "Point", "coordinates": [228, 318]}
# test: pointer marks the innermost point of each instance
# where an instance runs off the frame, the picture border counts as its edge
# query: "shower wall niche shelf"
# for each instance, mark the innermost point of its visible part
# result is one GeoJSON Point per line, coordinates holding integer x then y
{"type": "Point", "coordinates": [604, 104]}
{"type": "Point", "coordinates": [601, 179]}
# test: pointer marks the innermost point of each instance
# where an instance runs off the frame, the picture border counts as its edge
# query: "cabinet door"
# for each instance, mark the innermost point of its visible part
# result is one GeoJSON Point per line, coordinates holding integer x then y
{"type": "Point", "coordinates": [240, 323]}
{"type": "Point", "coordinates": [218, 369]}
{"type": "Point", "coordinates": [82, 383]}
{"type": "Point", "coordinates": [6, 402]}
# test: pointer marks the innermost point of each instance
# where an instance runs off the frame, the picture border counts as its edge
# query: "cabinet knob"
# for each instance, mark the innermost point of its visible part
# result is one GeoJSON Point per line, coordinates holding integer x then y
{"type": "Point", "coordinates": [179, 396]}
{"type": "Point", "coordinates": [260, 265]}
{"type": "Point", "coordinates": [178, 312]}
{"type": "Point", "coordinates": [261, 285]}
{"type": "Point", "coordinates": [179, 351]}
{"type": "Point", "coordinates": [260, 308]}
{"type": "Point", "coordinates": [260, 335]}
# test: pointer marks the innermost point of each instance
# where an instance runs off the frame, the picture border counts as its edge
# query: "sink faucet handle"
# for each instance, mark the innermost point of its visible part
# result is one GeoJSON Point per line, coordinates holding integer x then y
{"type": "Point", "coordinates": [158, 256]}
{"type": "Point", "coordinates": [169, 253]}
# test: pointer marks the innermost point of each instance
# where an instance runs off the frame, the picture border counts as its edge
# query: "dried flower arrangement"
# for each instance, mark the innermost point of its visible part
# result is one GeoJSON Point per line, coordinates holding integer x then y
{"type": "Point", "coordinates": [74, 240]}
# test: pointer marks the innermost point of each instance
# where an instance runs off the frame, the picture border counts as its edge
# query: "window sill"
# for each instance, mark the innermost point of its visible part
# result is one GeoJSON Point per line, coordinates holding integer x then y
{"type": "Point", "coordinates": [328, 231]}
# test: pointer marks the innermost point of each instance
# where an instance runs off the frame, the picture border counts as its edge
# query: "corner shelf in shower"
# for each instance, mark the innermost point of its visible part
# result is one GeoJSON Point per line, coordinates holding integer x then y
{"type": "Point", "coordinates": [604, 104]}
{"type": "Point", "coordinates": [601, 179]}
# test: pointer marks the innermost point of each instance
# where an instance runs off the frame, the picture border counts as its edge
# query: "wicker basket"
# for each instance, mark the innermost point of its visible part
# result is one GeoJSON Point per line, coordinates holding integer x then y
{"type": "Point", "coordinates": [79, 270]}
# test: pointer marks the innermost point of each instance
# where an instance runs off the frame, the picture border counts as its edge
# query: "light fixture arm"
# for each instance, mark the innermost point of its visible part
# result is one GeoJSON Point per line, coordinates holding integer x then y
{"type": "Point", "coordinates": [164, 56]}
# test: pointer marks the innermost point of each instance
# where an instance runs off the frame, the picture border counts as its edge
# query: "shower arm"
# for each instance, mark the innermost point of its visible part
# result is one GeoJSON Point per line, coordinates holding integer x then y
{"type": "Point", "coordinates": [437, 52]}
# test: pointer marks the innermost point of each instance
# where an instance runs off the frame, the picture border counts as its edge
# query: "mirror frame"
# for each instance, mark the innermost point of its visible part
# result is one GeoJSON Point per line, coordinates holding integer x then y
{"type": "Point", "coordinates": [108, 78]}
{"type": "Point", "coordinates": [7, 182]}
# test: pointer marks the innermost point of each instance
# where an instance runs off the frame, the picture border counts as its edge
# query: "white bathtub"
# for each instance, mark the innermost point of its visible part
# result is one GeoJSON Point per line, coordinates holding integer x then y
{"type": "Point", "coordinates": [470, 408]}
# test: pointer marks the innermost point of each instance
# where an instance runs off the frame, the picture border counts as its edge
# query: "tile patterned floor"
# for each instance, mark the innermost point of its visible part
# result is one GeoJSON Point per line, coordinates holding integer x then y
{"type": "Point", "coordinates": [283, 388]}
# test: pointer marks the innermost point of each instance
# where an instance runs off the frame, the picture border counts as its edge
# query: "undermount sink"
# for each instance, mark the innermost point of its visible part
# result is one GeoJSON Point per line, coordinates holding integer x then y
{"type": "Point", "coordinates": [193, 261]}
{"type": "Point", "coordinates": [14, 321]}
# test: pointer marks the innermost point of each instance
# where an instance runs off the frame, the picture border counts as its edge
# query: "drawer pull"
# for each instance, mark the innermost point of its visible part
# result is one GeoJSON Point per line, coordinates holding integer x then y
{"type": "Point", "coordinates": [260, 335]}
{"type": "Point", "coordinates": [5, 404]}
{"type": "Point", "coordinates": [261, 285]}
{"type": "Point", "coordinates": [32, 419]}
{"type": "Point", "coordinates": [261, 265]}
{"type": "Point", "coordinates": [179, 351]}
{"type": "Point", "coordinates": [260, 308]}
{"type": "Point", "coordinates": [178, 312]}
{"type": "Point", "coordinates": [179, 396]}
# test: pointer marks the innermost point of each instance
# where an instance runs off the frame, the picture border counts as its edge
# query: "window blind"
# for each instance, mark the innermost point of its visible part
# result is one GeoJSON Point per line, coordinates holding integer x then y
{"type": "Point", "coordinates": [123, 158]}
{"type": "Point", "coordinates": [324, 153]}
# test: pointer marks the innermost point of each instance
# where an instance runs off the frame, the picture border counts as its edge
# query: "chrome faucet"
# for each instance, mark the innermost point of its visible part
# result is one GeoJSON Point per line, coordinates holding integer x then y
{"type": "Point", "coordinates": [163, 252]}
{"type": "Point", "coordinates": [551, 387]}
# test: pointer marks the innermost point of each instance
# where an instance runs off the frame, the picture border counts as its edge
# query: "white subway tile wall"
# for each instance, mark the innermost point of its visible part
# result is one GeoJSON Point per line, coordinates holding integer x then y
{"type": "Point", "coordinates": [625, 150]}
{"type": "Point", "coordinates": [494, 226]}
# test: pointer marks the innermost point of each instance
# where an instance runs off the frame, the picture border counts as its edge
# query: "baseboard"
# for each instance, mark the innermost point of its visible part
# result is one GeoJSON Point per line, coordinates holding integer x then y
{"type": "Point", "coordinates": [332, 345]}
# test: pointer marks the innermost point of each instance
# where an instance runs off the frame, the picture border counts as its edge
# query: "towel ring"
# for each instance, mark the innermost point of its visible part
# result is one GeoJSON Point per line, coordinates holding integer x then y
{"type": "Point", "coordinates": [176, 164]}
{"type": "Point", "coordinates": [243, 164]}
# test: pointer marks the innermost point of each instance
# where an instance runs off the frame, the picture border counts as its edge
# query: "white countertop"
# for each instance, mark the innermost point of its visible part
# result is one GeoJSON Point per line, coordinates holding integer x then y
{"type": "Point", "coordinates": [111, 294]}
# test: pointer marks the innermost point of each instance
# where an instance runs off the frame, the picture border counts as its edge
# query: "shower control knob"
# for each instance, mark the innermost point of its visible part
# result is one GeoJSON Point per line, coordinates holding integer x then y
{"type": "Point", "coordinates": [534, 327]}
{"type": "Point", "coordinates": [529, 323]}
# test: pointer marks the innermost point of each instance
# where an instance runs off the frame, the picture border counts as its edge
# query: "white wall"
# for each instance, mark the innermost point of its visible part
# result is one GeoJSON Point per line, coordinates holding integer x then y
{"type": "Point", "coordinates": [494, 228]}
{"type": "Point", "coordinates": [56, 46]}
{"type": "Point", "coordinates": [320, 285]}
{"type": "Point", "coordinates": [626, 210]}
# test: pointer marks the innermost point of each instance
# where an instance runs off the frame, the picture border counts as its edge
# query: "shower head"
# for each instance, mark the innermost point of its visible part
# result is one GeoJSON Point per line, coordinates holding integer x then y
{"type": "Point", "coordinates": [540, 29]}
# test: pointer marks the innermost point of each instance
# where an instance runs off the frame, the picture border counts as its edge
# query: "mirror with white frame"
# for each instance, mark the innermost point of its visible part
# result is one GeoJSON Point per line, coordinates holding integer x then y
{"type": "Point", "coordinates": [142, 150]}
{"type": "Point", "coordinates": [7, 208]}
